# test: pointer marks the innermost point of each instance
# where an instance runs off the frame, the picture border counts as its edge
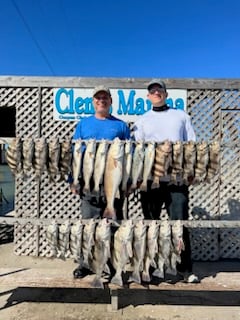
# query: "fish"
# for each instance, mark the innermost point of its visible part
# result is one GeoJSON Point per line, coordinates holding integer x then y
{"type": "Point", "coordinates": [14, 155]}
{"type": "Point", "coordinates": [151, 249]}
{"type": "Point", "coordinates": [139, 250]}
{"type": "Point", "coordinates": [177, 162]}
{"type": "Point", "coordinates": [52, 234]}
{"type": "Point", "coordinates": [127, 165]}
{"type": "Point", "coordinates": [65, 159]}
{"type": "Point", "coordinates": [99, 166]}
{"type": "Point", "coordinates": [28, 153]}
{"type": "Point", "coordinates": [177, 246]}
{"type": "Point", "coordinates": [77, 163]}
{"type": "Point", "coordinates": [189, 161]}
{"type": "Point", "coordinates": [54, 156]}
{"type": "Point", "coordinates": [202, 158]}
{"type": "Point", "coordinates": [214, 160]}
{"type": "Point", "coordinates": [64, 240]}
{"type": "Point", "coordinates": [76, 238]}
{"type": "Point", "coordinates": [88, 242]}
{"type": "Point", "coordinates": [88, 164]}
{"type": "Point", "coordinates": [162, 162]}
{"type": "Point", "coordinates": [122, 250]}
{"type": "Point", "coordinates": [113, 176]}
{"type": "Point", "coordinates": [137, 164]}
{"type": "Point", "coordinates": [164, 249]}
{"type": "Point", "coordinates": [101, 252]}
{"type": "Point", "coordinates": [148, 164]}
{"type": "Point", "coordinates": [40, 156]}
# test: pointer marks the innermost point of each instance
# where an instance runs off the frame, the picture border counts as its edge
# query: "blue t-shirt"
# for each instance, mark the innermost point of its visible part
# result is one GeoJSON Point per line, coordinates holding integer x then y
{"type": "Point", "coordinates": [109, 128]}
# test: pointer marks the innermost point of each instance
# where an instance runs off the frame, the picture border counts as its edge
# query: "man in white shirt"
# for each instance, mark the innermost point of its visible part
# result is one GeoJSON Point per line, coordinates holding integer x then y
{"type": "Point", "coordinates": [159, 124]}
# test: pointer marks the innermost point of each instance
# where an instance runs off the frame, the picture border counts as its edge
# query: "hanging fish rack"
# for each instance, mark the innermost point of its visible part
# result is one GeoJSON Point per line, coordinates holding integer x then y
{"type": "Point", "coordinates": [187, 223]}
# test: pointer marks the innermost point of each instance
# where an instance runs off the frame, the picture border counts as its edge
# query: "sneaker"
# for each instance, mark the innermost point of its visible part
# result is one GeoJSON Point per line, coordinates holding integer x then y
{"type": "Point", "coordinates": [79, 273]}
{"type": "Point", "coordinates": [190, 278]}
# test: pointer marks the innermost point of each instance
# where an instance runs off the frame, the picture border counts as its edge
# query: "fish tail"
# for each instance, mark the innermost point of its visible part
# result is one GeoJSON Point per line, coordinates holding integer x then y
{"type": "Point", "coordinates": [135, 277]}
{"type": "Point", "coordinates": [110, 213]}
{"type": "Point", "coordinates": [97, 283]}
{"type": "Point", "coordinates": [143, 186]}
{"type": "Point", "coordinates": [117, 279]}
{"type": "Point", "coordinates": [146, 276]}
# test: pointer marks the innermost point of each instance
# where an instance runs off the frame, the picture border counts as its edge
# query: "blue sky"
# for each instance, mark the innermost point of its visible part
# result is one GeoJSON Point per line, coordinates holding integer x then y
{"type": "Point", "coordinates": [124, 38]}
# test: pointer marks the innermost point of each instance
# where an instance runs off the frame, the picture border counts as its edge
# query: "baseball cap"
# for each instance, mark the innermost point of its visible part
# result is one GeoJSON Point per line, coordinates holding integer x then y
{"type": "Point", "coordinates": [101, 88]}
{"type": "Point", "coordinates": [158, 82]}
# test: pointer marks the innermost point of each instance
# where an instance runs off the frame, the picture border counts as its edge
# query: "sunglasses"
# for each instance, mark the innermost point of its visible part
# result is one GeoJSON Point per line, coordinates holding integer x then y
{"type": "Point", "coordinates": [153, 90]}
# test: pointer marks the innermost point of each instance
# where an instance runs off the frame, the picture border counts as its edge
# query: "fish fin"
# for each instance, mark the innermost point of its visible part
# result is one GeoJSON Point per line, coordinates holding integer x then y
{"type": "Point", "coordinates": [146, 276]}
{"type": "Point", "coordinates": [117, 279]}
{"type": "Point", "coordinates": [117, 195]}
{"type": "Point", "coordinates": [158, 273]}
{"type": "Point", "coordinates": [129, 249]}
{"type": "Point", "coordinates": [97, 283]}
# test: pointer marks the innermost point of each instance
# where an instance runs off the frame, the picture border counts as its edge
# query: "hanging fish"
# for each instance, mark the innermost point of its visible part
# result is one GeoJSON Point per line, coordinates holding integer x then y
{"type": "Point", "coordinates": [201, 162]}
{"type": "Point", "coordinates": [137, 164]}
{"type": "Point", "coordinates": [52, 235]}
{"type": "Point", "coordinates": [139, 250]}
{"type": "Point", "coordinates": [28, 153]}
{"type": "Point", "coordinates": [88, 164]}
{"type": "Point", "coordinates": [127, 165]}
{"type": "Point", "coordinates": [151, 249]}
{"type": "Point", "coordinates": [113, 176]}
{"type": "Point", "coordinates": [177, 162]}
{"type": "Point", "coordinates": [149, 157]}
{"type": "Point", "coordinates": [99, 166]}
{"type": "Point", "coordinates": [14, 155]}
{"type": "Point", "coordinates": [76, 236]}
{"type": "Point", "coordinates": [189, 161]}
{"type": "Point", "coordinates": [40, 156]}
{"type": "Point", "coordinates": [214, 160]}
{"type": "Point", "coordinates": [101, 252]}
{"type": "Point", "coordinates": [54, 157]}
{"type": "Point", "coordinates": [77, 163]}
{"type": "Point", "coordinates": [122, 250]}
{"type": "Point", "coordinates": [64, 239]}
{"type": "Point", "coordinates": [65, 159]}
{"type": "Point", "coordinates": [162, 163]}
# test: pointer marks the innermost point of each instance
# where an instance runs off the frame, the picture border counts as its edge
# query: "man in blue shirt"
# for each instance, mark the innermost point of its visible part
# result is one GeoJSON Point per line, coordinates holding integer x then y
{"type": "Point", "coordinates": [160, 124]}
{"type": "Point", "coordinates": [101, 125]}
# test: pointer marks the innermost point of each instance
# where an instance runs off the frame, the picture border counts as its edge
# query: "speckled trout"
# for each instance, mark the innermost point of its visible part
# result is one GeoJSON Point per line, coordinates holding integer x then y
{"type": "Point", "coordinates": [127, 164]}
{"type": "Point", "coordinates": [139, 250]}
{"type": "Point", "coordinates": [149, 157]}
{"type": "Point", "coordinates": [177, 162]}
{"type": "Point", "coordinates": [101, 252]}
{"type": "Point", "coordinates": [177, 246]}
{"type": "Point", "coordinates": [65, 159]}
{"type": "Point", "coordinates": [77, 163]}
{"type": "Point", "coordinates": [122, 250]}
{"type": "Point", "coordinates": [99, 166]}
{"type": "Point", "coordinates": [151, 249]}
{"type": "Point", "coordinates": [53, 159]}
{"type": "Point", "coordinates": [137, 164]}
{"type": "Point", "coordinates": [88, 164]}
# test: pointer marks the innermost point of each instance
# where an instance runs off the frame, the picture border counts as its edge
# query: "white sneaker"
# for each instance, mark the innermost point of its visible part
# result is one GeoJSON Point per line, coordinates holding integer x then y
{"type": "Point", "coordinates": [190, 278]}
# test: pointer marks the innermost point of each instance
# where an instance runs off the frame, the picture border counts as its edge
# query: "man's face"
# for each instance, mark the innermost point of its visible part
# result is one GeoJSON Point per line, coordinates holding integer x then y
{"type": "Point", "coordinates": [157, 95]}
{"type": "Point", "coordinates": [102, 102]}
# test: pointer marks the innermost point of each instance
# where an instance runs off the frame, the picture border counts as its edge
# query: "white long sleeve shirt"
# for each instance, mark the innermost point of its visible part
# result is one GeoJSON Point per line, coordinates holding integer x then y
{"type": "Point", "coordinates": [172, 124]}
